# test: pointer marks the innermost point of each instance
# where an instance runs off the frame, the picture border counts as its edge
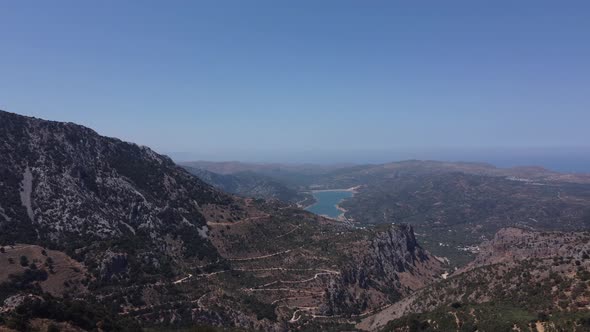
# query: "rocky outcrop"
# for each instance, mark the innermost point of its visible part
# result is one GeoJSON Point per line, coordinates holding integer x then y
{"type": "Point", "coordinates": [13, 302]}
{"type": "Point", "coordinates": [390, 253]}
{"type": "Point", "coordinates": [395, 250]}
{"type": "Point", "coordinates": [393, 264]}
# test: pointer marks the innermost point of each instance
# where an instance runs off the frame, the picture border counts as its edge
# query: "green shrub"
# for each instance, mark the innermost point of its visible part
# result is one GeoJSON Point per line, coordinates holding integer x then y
{"type": "Point", "coordinates": [24, 261]}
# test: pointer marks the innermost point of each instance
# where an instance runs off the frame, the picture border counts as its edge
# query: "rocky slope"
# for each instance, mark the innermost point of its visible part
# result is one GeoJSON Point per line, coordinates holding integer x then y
{"type": "Point", "coordinates": [64, 186]}
{"type": "Point", "coordinates": [510, 245]}
{"type": "Point", "coordinates": [310, 268]}
{"type": "Point", "coordinates": [149, 244]}
{"type": "Point", "coordinates": [519, 277]}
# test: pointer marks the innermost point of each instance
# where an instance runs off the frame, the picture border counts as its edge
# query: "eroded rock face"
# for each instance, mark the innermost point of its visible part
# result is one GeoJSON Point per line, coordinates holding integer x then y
{"type": "Point", "coordinates": [63, 185]}
{"type": "Point", "coordinates": [519, 268]}
{"type": "Point", "coordinates": [393, 263]}
{"type": "Point", "coordinates": [389, 253]}
{"type": "Point", "coordinates": [395, 250]}
{"type": "Point", "coordinates": [11, 303]}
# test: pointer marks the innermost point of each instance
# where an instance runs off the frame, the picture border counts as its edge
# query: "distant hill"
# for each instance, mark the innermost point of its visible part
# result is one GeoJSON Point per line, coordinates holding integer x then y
{"type": "Point", "coordinates": [452, 205]}
{"type": "Point", "coordinates": [232, 167]}
{"type": "Point", "coordinates": [250, 184]}
{"type": "Point", "coordinates": [456, 205]}
{"type": "Point", "coordinates": [295, 176]}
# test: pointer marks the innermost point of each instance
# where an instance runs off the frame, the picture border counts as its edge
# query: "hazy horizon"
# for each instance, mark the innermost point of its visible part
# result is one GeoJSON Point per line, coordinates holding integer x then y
{"type": "Point", "coordinates": [569, 160]}
{"type": "Point", "coordinates": [561, 159]}
{"type": "Point", "coordinates": [330, 82]}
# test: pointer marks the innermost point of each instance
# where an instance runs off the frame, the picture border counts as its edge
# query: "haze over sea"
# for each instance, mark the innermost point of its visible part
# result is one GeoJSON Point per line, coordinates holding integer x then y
{"type": "Point", "coordinates": [567, 160]}
{"type": "Point", "coordinates": [240, 81]}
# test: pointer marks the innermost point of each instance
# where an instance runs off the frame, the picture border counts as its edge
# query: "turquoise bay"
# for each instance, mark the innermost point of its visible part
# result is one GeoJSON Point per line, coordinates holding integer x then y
{"type": "Point", "coordinates": [326, 202]}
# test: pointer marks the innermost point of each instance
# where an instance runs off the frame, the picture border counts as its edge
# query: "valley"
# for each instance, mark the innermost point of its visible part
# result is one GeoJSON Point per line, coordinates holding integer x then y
{"type": "Point", "coordinates": [452, 206]}
{"type": "Point", "coordinates": [294, 166]}
{"type": "Point", "coordinates": [97, 233]}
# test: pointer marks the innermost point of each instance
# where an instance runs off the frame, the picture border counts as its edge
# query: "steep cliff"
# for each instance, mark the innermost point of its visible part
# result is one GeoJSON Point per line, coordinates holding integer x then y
{"type": "Point", "coordinates": [389, 264]}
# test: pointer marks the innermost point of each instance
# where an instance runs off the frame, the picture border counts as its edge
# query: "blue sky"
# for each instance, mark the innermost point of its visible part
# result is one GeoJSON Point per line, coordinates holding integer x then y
{"type": "Point", "coordinates": [305, 80]}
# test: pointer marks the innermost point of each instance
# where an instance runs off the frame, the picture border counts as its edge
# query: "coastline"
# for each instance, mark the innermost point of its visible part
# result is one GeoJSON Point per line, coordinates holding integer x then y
{"type": "Point", "coordinates": [351, 189]}
{"type": "Point", "coordinates": [340, 217]}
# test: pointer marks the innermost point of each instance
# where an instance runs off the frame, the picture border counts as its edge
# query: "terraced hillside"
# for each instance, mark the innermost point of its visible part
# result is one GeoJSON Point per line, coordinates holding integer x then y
{"type": "Point", "coordinates": [297, 269]}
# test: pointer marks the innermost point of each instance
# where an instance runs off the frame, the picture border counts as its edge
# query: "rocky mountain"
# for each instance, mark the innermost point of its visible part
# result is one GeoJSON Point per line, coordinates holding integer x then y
{"type": "Point", "coordinates": [97, 233]}
{"type": "Point", "coordinates": [65, 187]}
{"type": "Point", "coordinates": [250, 184]}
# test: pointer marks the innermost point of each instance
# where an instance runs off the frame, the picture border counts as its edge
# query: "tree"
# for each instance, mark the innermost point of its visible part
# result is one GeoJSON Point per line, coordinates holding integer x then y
{"type": "Point", "coordinates": [24, 261]}
{"type": "Point", "coordinates": [52, 328]}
